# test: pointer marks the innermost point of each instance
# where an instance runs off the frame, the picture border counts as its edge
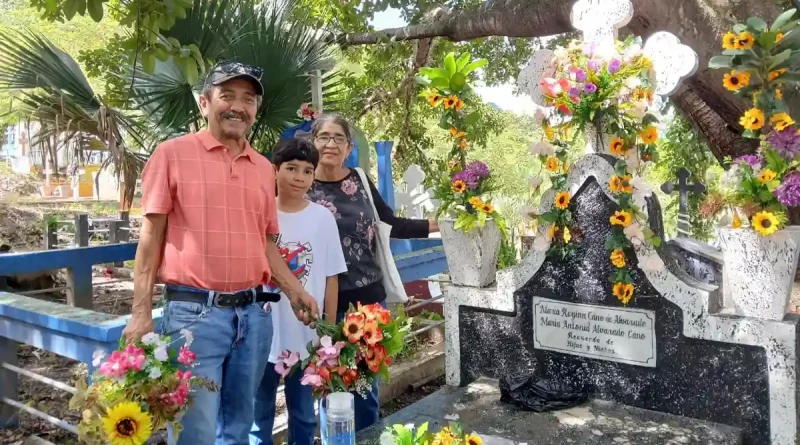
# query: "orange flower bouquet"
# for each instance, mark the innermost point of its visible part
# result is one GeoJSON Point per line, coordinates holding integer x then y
{"type": "Point", "coordinates": [352, 354]}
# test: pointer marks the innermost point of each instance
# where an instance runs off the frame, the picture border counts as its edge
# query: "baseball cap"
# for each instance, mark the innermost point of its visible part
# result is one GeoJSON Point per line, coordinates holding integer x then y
{"type": "Point", "coordinates": [227, 70]}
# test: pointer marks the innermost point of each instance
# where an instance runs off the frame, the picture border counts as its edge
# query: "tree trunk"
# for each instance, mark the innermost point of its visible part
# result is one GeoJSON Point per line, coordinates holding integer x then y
{"type": "Point", "coordinates": [698, 23]}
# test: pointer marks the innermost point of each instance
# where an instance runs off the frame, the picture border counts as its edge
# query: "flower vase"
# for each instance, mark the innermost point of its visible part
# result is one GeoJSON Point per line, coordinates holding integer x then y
{"type": "Point", "coordinates": [758, 271]}
{"type": "Point", "coordinates": [471, 256]}
{"type": "Point", "coordinates": [597, 141]}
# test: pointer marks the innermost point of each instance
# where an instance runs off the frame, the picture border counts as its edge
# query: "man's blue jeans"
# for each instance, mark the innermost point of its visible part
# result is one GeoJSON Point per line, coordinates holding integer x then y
{"type": "Point", "coordinates": [232, 347]}
{"type": "Point", "coordinates": [299, 403]}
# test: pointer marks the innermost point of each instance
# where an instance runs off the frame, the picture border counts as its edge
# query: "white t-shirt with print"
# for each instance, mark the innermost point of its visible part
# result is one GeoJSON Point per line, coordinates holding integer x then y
{"type": "Point", "coordinates": [309, 243]}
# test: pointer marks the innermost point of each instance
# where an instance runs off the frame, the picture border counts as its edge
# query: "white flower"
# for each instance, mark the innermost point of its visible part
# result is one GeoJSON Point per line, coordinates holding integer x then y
{"type": "Point", "coordinates": [561, 53]}
{"type": "Point", "coordinates": [187, 334]}
{"type": "Point", "coordinates": [161, 353]}
{"type": "Point", "coordinates": [639, 110]}
{"type": "Point", "coordinates": [155, 372]}
{"type": "Point", "coordinates": [535, 182]}
{"type": "Point", "coordinates": [651, 263]}
{"type": "Point", "coordinates": [632, 83]}
{"type": "Point", "coordinates": [641, 191]}
{"type": "Point", "coordinates": [151, 338]}
{"type": "Point", "coordinates": [541, 148]}
{"type": "Point", "coordinates": [635, 234]}
{"type": "Point", "coordinates": [541, 243]}
{"type": "Point", "coordinates": [632, 161]}
{"type": "Point", "coordinates": [97, 357]}
{"type": "Point", "coordinates": [387, 438]}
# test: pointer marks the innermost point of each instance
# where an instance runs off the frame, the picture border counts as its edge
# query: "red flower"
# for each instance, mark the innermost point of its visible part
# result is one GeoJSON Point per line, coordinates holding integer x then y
{"type": "Point", "coordinates": [185, 356]}
{"type": "Point", "coordinates": [375, 357]}
{"type": "Point", "coordinates": [325, 373]}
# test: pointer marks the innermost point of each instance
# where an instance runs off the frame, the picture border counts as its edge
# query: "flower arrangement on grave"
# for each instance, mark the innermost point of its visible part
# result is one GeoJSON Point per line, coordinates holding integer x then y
{"type": "Point", "coordinates": [760, 62]}
{"type": "Point", "coordinates": [138, 390]}
{"type": "Point", "coordinates": [307, 112]}
{"type": "Point", "coordinates": [350, 355]}
{"type": "Point", "coordinates": [464, 191]}
{"type": "Point", "coordinates": [609, 92]}
{"type": "Point", "coordinates": [408, 434]}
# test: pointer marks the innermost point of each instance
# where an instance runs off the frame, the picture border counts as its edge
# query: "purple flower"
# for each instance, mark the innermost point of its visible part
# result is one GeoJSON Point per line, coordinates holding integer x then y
{"type": "Point", "coordinates": [349, 187]}
{"type": "Point", "coordinates": [786, 142]}
{"type": "Point", "coordinates": [788, 193]}
{"type": "Point", "coordinates": [575, 90]}
{"type": "Point", "coordinates": [590, 88]}
{"type": "Point", "coordinates": [593, 65]}
{"type": "Point", "coordinates": [479, 169]}
{"type": "Point", "coordinates": [578, 74]}
{"type": "Point", "coordinates": [614, 66]}
{"type": "Point", "coordinates": [469, 178]}
{"type": "Point", "coordinates": [751, 160]}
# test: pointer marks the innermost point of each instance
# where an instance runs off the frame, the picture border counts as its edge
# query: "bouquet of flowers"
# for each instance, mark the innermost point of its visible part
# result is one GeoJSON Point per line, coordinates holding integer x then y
{"type": "Point", "coordinates": [453, 434]}
{"type": "Point", "coordinates": [352, 354]}
{"type": "Point", "coordinates": [464, 190]}
{"type": "Point", "coordinates": [138, 390]}
{"type": "Point", "coordinates": [760, 61]}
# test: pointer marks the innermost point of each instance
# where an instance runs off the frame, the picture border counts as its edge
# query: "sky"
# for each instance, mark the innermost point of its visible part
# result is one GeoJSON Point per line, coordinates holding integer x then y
{"type": "Point", "coordinates": [501, 95]}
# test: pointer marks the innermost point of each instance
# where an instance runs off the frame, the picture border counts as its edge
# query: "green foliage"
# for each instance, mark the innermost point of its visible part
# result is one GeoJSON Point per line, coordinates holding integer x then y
{"type": "Point", "coordinates": [508, 254]}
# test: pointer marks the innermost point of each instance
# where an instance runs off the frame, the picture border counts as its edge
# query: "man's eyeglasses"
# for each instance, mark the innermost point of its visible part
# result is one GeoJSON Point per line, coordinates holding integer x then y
{"type": "Point", "coordinates": [339, 140]}
{"type": "Point", "coordinates": [228, 67]}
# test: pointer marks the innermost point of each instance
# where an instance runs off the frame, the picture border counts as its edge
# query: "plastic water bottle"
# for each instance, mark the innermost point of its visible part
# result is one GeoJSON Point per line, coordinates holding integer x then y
{"type": "Point", "coordinates": [341, 419]}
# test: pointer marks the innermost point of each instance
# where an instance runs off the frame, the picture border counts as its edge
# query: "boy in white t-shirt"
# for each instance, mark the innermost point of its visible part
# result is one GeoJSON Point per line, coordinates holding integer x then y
{"type": "Point", "coordinates": [309, 242]}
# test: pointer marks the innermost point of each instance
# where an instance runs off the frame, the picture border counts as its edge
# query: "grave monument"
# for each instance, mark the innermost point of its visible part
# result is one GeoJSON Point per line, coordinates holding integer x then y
{"type": "Point", "coordinates": [671, 349]}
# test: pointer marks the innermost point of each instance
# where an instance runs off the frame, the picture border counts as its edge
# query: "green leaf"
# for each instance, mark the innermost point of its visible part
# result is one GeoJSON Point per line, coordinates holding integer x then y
{"type": "Point", "coordinates": [473, 66]}
{"type": "Point", "coordinates": [458, 82]}
{"type": "Point", "coordinates": [189, 69]}
{"type": "Point", "coordinates": [782, 20]}
{"type": "Point", "coordinates": [718, 62]}
{"type": "Point", "coordinates": [148, 60]}
{"type": "Point", "coordinates": [780, 58]}
{"type": "Point", "coordinates": [450, 64]}
{"type": "Point", "coordinates": [738, 28]}
{"type": "Point", "coordinates": [757, 23]}
{"type": "Point", "coordinates": [734, 52]}
{"type": "Point", "coordinates": [95, 8]}
{"type": "Point", "coordinates": [550, 217]}
{"type": "Point", "coordinates": [70, 8]}
{"type": "Point", "coordinates": [434, 72]}
{"type": "Point", "coordinates": [472, 118]}
{"type": "Point", "coordinates": [81, 8]}
{"type": "Point", "coordinates": [462, 61]}
{"type": "Point", "coordinates": [51, 6]}
{"type": "Point", "coordinates": [440, 83]}
{"type": "Point", "coordinates": [444, 123]}
{"type": "Point", "coordinates": [421, 430]}
{"type": "Point", "coordinates": [174, 42]}
{"type": "Point", "coordinates": [767, 40]}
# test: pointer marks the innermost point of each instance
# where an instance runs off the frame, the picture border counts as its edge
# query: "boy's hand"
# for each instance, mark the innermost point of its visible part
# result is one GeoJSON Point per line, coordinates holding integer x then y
{"type": "Point", "coordinates": [305, 307]}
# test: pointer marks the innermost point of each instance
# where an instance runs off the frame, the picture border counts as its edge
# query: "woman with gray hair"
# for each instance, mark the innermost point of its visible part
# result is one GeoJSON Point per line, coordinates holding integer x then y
{"type": "Point", "coordinates": [342, 191]}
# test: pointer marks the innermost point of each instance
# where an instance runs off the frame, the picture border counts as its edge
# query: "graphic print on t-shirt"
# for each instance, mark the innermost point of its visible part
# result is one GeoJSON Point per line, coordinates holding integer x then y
{"type": "Point", "coordinates": [299, 257]}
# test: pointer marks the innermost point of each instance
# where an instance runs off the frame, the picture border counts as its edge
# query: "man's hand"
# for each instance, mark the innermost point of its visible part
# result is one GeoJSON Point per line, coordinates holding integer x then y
{"type": "Point", "coordinates": [139, 325]}
{"type": "Point", "coordinates": [305, 307]}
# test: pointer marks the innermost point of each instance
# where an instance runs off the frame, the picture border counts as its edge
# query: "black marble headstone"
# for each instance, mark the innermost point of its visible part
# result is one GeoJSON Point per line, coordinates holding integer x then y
{"type": "Point", "coordinates": [720, 382]}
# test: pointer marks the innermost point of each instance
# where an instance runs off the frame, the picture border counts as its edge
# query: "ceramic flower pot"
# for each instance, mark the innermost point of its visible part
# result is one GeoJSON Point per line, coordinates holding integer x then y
{"type": "Point", "coordinates": [758, 271]}
{"type": "Point", "coordinates": [471, 256]}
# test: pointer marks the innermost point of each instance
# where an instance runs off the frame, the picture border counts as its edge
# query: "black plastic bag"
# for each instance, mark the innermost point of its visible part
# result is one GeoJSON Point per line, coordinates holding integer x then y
{"type": "Point", "coordinates": [531, 394]}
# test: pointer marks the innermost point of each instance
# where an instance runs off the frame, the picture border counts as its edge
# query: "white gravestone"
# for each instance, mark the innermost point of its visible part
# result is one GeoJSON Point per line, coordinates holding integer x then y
{"type": "Point", "coordinates": [413, 199]}
{"type": "Point", "coordinates": [623, 335]}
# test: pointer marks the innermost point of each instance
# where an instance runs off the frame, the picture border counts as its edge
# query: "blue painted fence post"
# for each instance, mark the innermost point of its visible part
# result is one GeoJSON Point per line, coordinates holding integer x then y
{"type": "Point", "coordinates": [385, 182]}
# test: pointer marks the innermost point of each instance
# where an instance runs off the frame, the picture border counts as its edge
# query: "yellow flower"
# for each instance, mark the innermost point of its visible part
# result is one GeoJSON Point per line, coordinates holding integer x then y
{"type": "Point", "coordinates": [621, 218]}
{"type": "Point", "coordinates": [475, 202]}
{"type": "Point", "coordinates": [623, 291]}
{"type": "Point", "coordinates": [776, 74]}
{"type": "Point", "coordinates": [765, 223]}
{"type": "Point", "coordinates": [745, 40]}
{"type": "Point", "coordinates": [548, 132]}
{"type": "Point", "coordinates": [463, 144]}
{"type": "Point", "coordinates": [551, 232]}
{"type": "Point", "coordinates": [457, 134]}
{"type": "Point", "coordinates": [781, 121]}
{"type": "Point", "coordinates": [552, 164]}
{"type": "Point", "coordinates": [473, 439]}
{"type": "Point", "coordinates": [779, 37]}
{"type": "Point", "coordinates": [641, 94]}
{"type": "Point", "coordinates": [778, 94]}
{"type": "Point", "coordinates": [562, 200]}
{"type": "Point", "coordinates": [646, 62]}
{"type": "Point", "coordinates": [737, 222]}
{"type": "Point", "coordinates": [736, 80]}
{"type": "Point", "coordinates": [618, 258]}
{"type": "Point", "coordinates": [434, 98]}
{"type": "Point", "coordinates": [617, 146]}
{"type": "Point", "coordinates": [126, 424]}
{"type": "Point", "coordinates": [450, 102]}
{"type": "Point", "coordinates": [753, 119]}
{"type": "Point", "coordinates": [567, 235]}
{"type": "Point", "coordinates": [729, 40]}
{"type": "Point", "coordinates": [458, 186]}
{"type": "Point", "coordinates": [766, 176]}
{"type": "Point", "coordinates": [565, 167]}
{"type": "Point", "coordinates": [459, 104]}
{"type": "Point", "coordinates": [486, 208]}
{"type": "Point", "coordinates": [620, 184]}
{"type": "Point", "coordinates": [649, 135]}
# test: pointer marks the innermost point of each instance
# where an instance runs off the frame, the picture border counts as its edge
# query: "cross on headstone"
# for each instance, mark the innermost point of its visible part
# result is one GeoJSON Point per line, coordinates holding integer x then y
{"type": "Point", "coordinates": [684, 188]}
{"type": "Point", "coordinates": [600, 20]}
{"type": "Point", "coordinates": [414, 199]}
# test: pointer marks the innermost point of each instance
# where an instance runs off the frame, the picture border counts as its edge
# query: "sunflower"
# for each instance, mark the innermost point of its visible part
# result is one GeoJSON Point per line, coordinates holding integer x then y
{"type": "Point", "coordinates": [617, 146]}
{"type": "Point", "coordinates": [753, 119]}
{"type": "Point", "coordinates": [434, 98]}
{"type": "Point", "coordinates": [565, 167]}
{"type": "Point", "coordinates": [450, 102]}
{"type": "Point", "coordinates": [456, 133]}
{"type": "Point", "coordinates": [620, 184]}
{"type": "Point", "coordinates": [744, 40]}
{"type": "Point", "coordinates": [551, 232]}
{"type": "Point", "coordinates": [475, 202]}
{"type": "Point", "coordinates": [623, 291]}
{"type": "Point", "coordinates": [781, 121]}
{"type": "Point", "coordinates": [642, 94]}
{"type": "Point", "coordinates": [567, 235]}
{"type": "Point", "coordinates": [779, 37]}
{"type": "Point", "coordinates": [618, 258]}
{"type": "Point", "coordinates": [562, 200]}
{"type": "Point", "coordinates": [486, 208]}
{"type": "Point", "coordinates": [649, 135]}
{"type": "Point", "coordinates": [548, 132]}
{"type": "Point", "coordinates": [127, 424]}
{"type": "Point", "coordinates": [459, 104]}
{"type": "Point", "coordinates": [778, 94]}
{"type": "Point", "coordinates": [458, 186]}
{"type": "Point", "coordinates": [463, 144]}
{"type": "Point", "coordinates": [473, 439]}
{"type": "Point", "coordinates": [621, 218]}
{"type": "Point", "coordinates": [765, 223]}
{"type": "Point", "coordinates": [737, 222]}
{"type": "Point", "coordinates": [552, 164]}
{"type": "Point", "coordinates": [729, 40]}
{"type": "Point", "coordinates": [776, 74]}
{"type": "Point", "coordinates": [736, 80]}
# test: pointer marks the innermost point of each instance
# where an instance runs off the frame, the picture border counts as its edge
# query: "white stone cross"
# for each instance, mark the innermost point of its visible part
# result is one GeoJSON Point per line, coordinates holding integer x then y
{"type": "Point", "coordinates": [672, 61]}
{"type": "Point", "coordinates": [600, 20]}
{"type": "Point", "coordinates": [413, 199]}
